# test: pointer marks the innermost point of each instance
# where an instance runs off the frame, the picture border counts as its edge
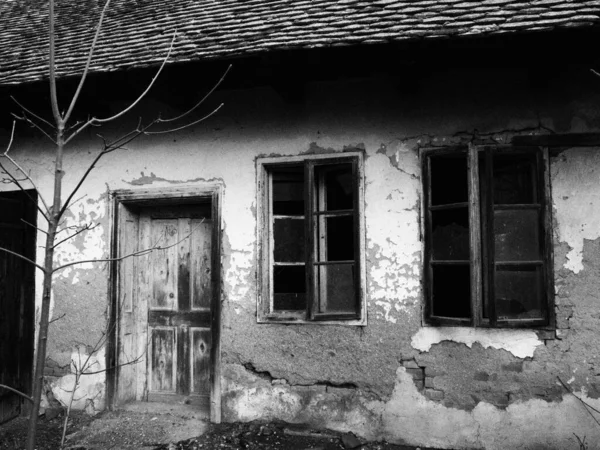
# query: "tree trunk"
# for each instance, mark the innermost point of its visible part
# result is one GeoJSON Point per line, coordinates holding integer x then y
{"type": "Point", "coordinates": [54, 220]}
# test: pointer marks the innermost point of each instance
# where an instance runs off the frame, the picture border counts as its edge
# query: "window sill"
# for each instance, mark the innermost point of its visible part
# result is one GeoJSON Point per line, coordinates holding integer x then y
{"type": "Point", "coordinates": [286, 320]}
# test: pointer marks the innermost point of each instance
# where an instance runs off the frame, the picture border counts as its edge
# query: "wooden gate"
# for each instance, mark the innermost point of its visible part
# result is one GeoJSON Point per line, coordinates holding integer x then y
{"type": "Point", "coordinates": [168, 303]}
{"type": "Point", "coordinates": [17, 233]}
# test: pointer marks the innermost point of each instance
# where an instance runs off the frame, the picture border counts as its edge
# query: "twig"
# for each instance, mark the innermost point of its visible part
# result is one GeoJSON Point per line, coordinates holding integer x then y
{"type": "Point", "coordinates": [2, 249]}
{"type": "Point", "coordinates": [87, 227]}
{"type": "Point", "coordinates": [130, 255]}
{"type": "Point", "coordinates": [12, 135]}
{"type": "Point", "coordinates": [87, 64]}
{"type": "Point", "coordinates": [583, 402]}
{"type": "Point", "coordinates": [208, 94]}
{"type": "Point", "coordinates": [31, 112]}
{"type": "Point", "coordinates": [33, 226]}
{"type": "Point", "coordinates": [96, 121]}
{"type": "Point", "coordinates": [58, 318]}
{"type": "Point", "coordinates": [35, 125]}
{"type": "Point", "coordinates": [171, 130]}
{"type": "Point", "coordinates": [3, 386]}
{"type": "Point", "coordinates": [16, 181]}
{"type": "Point", "coordinates": [20, 169]}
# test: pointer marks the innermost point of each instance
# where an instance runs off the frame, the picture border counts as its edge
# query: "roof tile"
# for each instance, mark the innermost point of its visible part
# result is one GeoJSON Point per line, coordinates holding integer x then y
{"type": "Point", "coordinates": [136, 33]}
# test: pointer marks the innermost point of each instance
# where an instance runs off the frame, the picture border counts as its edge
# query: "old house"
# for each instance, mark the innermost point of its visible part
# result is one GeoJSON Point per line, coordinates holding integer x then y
{"type": "Point", "coordinates": [391, 226]}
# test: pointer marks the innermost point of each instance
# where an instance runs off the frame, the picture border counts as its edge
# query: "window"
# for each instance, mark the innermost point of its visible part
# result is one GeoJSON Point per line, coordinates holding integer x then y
{"type": "Point", "coordinates": [311, 246]}
{"type": "Point", "coordinates": [487, 237]}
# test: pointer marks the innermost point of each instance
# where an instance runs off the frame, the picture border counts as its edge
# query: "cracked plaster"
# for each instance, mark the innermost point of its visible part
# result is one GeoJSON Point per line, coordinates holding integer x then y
{"type": "Point", "coordinates": [393, 246]}
{"type": "Point", "coordinates": [575, 193]}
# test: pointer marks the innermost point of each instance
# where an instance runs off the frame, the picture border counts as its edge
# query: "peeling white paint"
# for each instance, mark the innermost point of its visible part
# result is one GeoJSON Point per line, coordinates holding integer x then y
{"type": "Point", "coordinates": [90, 389]}
{"type": "Point", "coordinates": [394, 276]}
{"type": "Point", "coordinates": [410, 418]}
{"type": "Point", "coordinates": [521, 343]}
{"type": "Point", "coordinates": [89, 245]}
{"type": "Point", "coordinates": [575, 193]}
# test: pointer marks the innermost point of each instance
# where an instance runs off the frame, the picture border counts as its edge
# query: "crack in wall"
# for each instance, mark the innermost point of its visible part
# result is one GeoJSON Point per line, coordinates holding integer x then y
{"type": "Point", "coordinates": [267, 376]}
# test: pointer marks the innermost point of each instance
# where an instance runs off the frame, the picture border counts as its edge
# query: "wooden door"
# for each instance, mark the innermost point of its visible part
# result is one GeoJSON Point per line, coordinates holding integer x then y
{"type": "Point", "coordinates": [175, 284]}
{"type": "Point", "coordinates": [17, 233]}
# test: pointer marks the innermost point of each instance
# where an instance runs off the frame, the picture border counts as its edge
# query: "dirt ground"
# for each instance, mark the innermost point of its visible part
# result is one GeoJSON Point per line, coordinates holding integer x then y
{"type": "Point", "coordinates": [177, 429]}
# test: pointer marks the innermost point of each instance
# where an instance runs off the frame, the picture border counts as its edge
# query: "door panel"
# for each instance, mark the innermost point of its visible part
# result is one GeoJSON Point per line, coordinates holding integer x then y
{"type": "Point", "coordinates": [177, 276]}
{"type": "Point", "coordinates": [164, 234]}
{"type": "Point", "coordinates": [201, 264]}
{"type": "Point", "coordinates": [163, 361]}
{"type": "Point", "coordinates": [201, 338]}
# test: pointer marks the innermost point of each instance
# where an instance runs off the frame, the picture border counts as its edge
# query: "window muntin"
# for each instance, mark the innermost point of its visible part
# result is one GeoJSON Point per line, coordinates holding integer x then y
{"type": "Point", "coordinates": [487, 237]}
{"type": "Point", "coordinates": [310, 240]}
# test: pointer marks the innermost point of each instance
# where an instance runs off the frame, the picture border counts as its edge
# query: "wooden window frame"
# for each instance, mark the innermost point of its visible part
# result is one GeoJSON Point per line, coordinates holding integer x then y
{"type": "Point", "coordinates": [481, 237]}
{"type": "Point", "coordinates": [266, 314]}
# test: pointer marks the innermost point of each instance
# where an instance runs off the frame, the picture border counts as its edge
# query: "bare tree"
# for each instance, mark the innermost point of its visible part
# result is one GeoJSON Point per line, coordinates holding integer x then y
{"type": "Point", "coordinates": [61, 132]}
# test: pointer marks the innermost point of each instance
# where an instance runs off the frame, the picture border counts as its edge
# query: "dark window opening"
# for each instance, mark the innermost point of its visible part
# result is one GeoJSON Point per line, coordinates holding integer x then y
{"type": "Point", "coordinates": [486, 237]}
{"type": "Point", "coordinates": [313, 239]}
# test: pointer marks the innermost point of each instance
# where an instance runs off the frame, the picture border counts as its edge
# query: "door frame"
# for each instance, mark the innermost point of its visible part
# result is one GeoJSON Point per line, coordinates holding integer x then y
{"type": "Point", "coordinates": [127, 202]}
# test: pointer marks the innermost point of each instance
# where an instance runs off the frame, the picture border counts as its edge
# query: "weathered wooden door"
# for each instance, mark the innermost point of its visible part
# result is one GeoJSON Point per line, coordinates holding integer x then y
{"type": "Point", "coordinates": [17, 233]}
{"type": "Point", "coordinates": [175, 284]}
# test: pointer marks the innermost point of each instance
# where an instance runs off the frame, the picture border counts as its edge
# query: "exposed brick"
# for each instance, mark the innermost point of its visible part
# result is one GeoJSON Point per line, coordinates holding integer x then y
{"type": "Point", "coordinates": [481, 376]}
{"type": "Point", "coordinates": [500, 400]}
{"type": "Point", "coordinates": [431, 372]}
{"type": "Point", "coordinates": [410, 364]}
{"type": "Point", "coordinates": [434, 394]}
{"type": "Point", "coordinates": [513, 367]}
{"type": "Point", "coordinates": [429, 383]}
{"type": "Point", "coordinates": [417, 374]}
{"type": "Point", "coordinates": [419, 384]}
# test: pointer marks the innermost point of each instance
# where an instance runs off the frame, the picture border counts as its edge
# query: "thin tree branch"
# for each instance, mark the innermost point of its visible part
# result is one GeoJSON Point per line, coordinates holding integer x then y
{"type": "Point", "coordinates": [12, 135]}
{"type": "Point", "coordinates": [3, 386]}
{"type": "Point", "coordinates": [28, 111]}
{"type": "Point", "coordinates": [208, 94]}
{"type": "Point", "coordinates": [2, 249]}
{"type": "Point", "coordinates": [585, 404]}
{"type": "Point", "coordinates": [130, 255]}
{"type": "Point", "coordinates": [87, 63]}
{"type": "Point", "coordinates": [20, 169]}
{"type": "Point", "coordinates": [108, 148]}
{"type": "Point", "coordinates": [96, 121]}
{"type": "Point", "coordinates": [51, 64]}
{"type": "Point", "coordinates": [35, 125]}
{"type": "Point", "coordinates": [87, 227]}
{"type": "Point", "coordinates": [57, 318]}
{"type": "Point", "coordinates": [187, 125]}
{"type": "Point", "coordinates": [33, 226]}
{"type": "Point", "coordinates": [25, 191]}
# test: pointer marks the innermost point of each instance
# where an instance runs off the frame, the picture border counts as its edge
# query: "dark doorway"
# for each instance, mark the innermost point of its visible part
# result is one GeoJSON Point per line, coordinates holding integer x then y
{"type": "Point", "coordinates": [18, 214]}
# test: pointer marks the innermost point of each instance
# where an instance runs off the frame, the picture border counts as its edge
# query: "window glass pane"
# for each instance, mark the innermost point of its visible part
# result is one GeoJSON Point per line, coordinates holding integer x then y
{"type": "Point", "coordinates": [288, 191]}
{"type": "Point", "coordinates": [515, 179]}
{"type": "Point", "coordinates": [450, 234]}
{"type": "Point", "coordinates": [336, 288]}
{"type": "Point", "coordinates": [516, 235]}
{"type": "Point", "coordinates": [449, 179]}
{"type": "Point", "coordinates": [336, 238]}
{"type": "Point", "coordinates": [289, 288]}
{"type": "Point", "coordinates": [451, 290]}
{"type": "Point", "coordinates": [337, 184]}
{"type": "Point", "coordinates": [519, 292]}
{"type": "Point", "coordinates": [288, 235]}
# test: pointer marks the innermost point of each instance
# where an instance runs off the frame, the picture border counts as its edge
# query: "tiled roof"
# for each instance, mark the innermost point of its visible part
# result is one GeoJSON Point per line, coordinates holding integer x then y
{"type": "Point", "coordinates": [137, 33]}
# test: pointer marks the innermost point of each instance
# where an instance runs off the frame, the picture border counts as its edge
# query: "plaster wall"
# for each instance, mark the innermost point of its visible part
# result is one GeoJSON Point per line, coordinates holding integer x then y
{"type": "Point", "coordinates": [393, 379]}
